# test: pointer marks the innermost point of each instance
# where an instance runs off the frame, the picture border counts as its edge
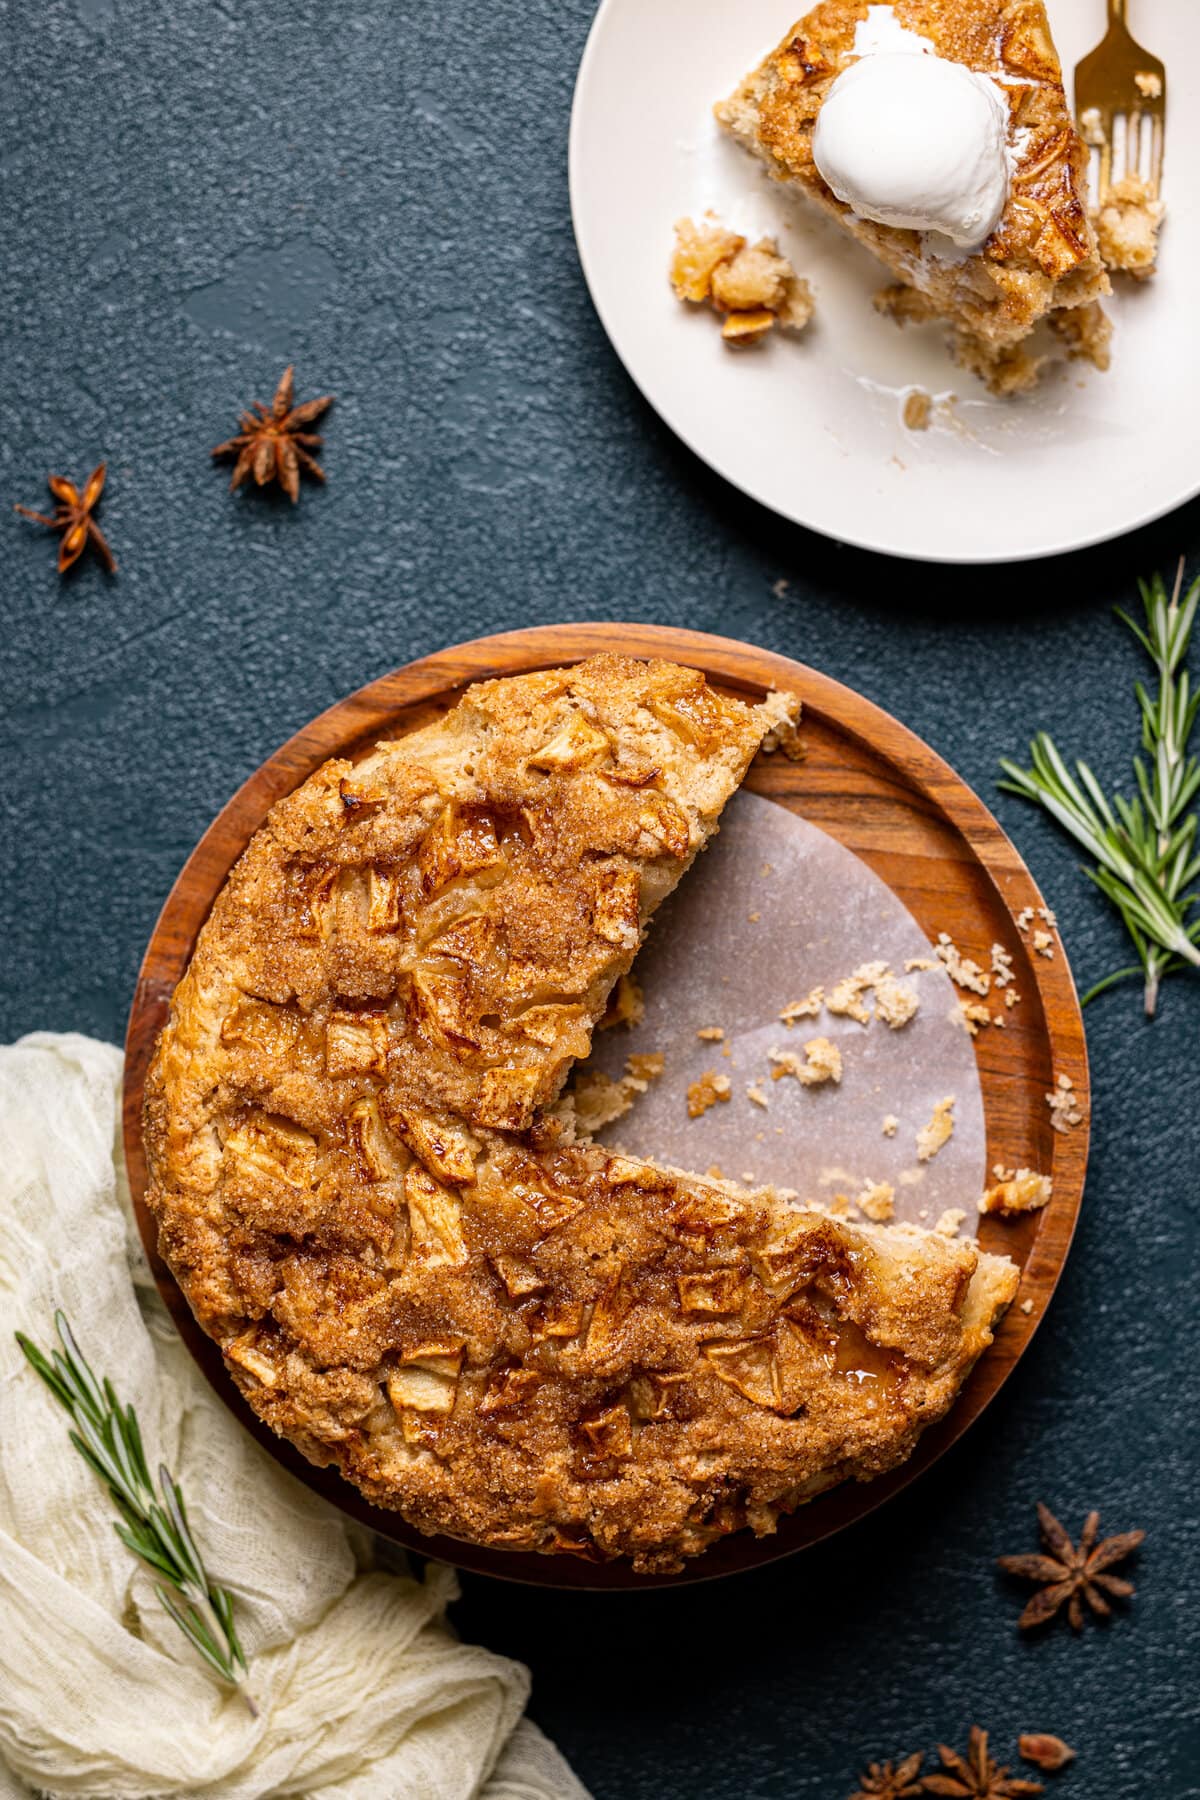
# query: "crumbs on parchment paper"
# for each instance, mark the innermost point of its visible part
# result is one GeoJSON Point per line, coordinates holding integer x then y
{"type": "Point", "coordinates": [757, 1096]}
{"type": "Point", "coordinates": [808, 1008]}
{"type": "Point", "coordinates": [1064, 1105]}
{"type": "Point", "coordinates": [891, 1125]}
{"type": "Point", "coordinates": [711, 1034]}
{"type": "Point", "coordinates": [846, 998]}
{"type": "Point", "coordinates": [706, 1092]}
{"type": "Point", "coordinates": [895, 1001]}
{"type": "Point", "coordinates": [938, 1132]}
{"type": "Point", "coordinates": [822, 1062]}
{"type": "Point", "coordinates": [951, 1219]}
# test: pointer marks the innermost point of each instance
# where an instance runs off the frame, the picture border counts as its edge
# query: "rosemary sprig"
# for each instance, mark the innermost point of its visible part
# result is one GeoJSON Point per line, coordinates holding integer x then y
{"type": "Point", "coordinates": [1145, 848]}
{"type": "Point", "coordinates": [108, 1438]}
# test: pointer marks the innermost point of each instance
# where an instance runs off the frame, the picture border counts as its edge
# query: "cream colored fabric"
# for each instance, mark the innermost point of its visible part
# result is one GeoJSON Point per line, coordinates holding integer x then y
{"type": "Point", "coordinates": [364, 1693]}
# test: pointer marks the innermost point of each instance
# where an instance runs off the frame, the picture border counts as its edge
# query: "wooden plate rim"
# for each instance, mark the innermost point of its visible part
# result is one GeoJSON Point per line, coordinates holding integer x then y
{"type": "Point", "coordinates": [350, 724]}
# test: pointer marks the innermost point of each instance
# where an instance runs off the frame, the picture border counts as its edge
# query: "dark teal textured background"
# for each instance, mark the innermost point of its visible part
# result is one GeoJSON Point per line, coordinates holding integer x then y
{"type": "Point", "coordinates": [192, 194]}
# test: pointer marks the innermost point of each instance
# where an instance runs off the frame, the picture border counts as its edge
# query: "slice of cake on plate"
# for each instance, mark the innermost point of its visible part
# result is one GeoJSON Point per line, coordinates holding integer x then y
{"type": "Point", "coordinates": [940, 138]}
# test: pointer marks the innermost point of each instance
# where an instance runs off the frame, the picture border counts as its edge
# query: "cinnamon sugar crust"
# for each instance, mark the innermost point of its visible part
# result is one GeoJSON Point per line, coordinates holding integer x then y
{"type": "Point", "coordinates": [412, 1268]}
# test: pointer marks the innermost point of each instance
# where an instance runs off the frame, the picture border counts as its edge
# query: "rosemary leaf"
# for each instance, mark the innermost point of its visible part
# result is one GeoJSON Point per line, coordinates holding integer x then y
{"type": "Point", "coordinates": [108, 1437]}
{"type": "Point", "coordinates": [1144, 849]}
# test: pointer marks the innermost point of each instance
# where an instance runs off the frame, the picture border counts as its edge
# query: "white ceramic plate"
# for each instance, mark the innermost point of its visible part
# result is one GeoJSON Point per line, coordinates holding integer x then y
{"type": "Point", "coordinates": [812, 426]}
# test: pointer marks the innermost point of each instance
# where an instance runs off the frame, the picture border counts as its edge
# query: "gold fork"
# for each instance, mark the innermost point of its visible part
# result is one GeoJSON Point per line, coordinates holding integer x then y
{"type": "Point", "coordinates": [1121, 80]}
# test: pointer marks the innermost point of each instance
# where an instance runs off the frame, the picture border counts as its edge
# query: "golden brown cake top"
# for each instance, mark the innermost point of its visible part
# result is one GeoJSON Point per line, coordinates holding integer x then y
{"type": "Point", "coordinates": [411, 1269]}
{"type": "Point", "coordinates": [1045, 225]}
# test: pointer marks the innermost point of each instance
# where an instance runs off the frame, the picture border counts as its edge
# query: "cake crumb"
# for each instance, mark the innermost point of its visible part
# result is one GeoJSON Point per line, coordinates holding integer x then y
{"type": "Point", "coordinates": [706, 1092]}
{"type": "Point", "coordinates": [779, 588]}
{"type": "Point", "coordinates": [756, 1095]}
{"type": "Point", "coordinates": [784, 711]}
{"type": "Point", "coordinates": [596, 1100]}
{"type": "Point", "coordinates": [1002, 968]}
{"type": "Point", "coordinates": [938, 1132]}
{"type": "Point", "coordinates": [917, 410]}
{"type": "Point", "coordinates": [754, 917]}
{"type": "Point", "coordinates": [877, 1202]}
{"type": "Point", "coordinates": [1011, 998]}
{"type": "Point", "coordinates": [891, 1125]}
{"type": "Point", "coordinates": [626, 1004]}
{"type": "Point", "coordinates": [822, 1062]}
{"type": "Point", "coordinates": [1064, 1105]}
{"type": "Point", "coordinates": [970, 1014]}
{"type": "Point", "coordinates": [711, 1034]}
{"type": "Point", "coordinates": [1017, 1191]}
{"type": "Point", "coordinates": [1127, 227]}
{"type": "Point", "coordinates": [1149, 83]}
{"type": "Point", "coordinates": [752, 285]}
{"type": "Point", "coordinates": [951, 1219]}
{"type": "Point", "coordinates": [808, 1008]}
{"type": "Point", "coordinates": [1027, 1307]}
{"type": "Point", "coordinates": [1043, 943]}
{"type": "Point", "coordinates": [846, 999]}
{"type": "Point", "coordinates": [1024, 919]}
{"type": "Point", "coordinates": [895, 1002]}
{"type": "Point", "coordinates": [919, 962]}
{"type": "Point", "coordinates": [962, 971]}
{"type": "Point", "coordinates": [1091, 125]}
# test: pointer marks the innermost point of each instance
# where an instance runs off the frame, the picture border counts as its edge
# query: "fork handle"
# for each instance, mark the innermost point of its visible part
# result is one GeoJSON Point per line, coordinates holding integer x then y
{"type": "Point", "coordinates": [1116, 12]}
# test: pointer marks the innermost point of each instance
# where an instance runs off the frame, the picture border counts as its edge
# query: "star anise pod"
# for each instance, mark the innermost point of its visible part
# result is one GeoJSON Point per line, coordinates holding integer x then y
{"type": "Point", "coordinates": [975, 1776]}
{"type": "Point", "coordinates": [272, 444]}
{"type": "Point", "coordinates": [1073, 1573]}
{"type": "Point", "coordinates": [883, 1781]}
{"type": "Point", "coordinates": [73, 517]}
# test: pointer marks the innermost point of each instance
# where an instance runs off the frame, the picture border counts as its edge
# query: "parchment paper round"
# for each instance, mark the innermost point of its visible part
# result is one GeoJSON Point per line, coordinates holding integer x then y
{"type": "Point", "coordinates": [772, 909]}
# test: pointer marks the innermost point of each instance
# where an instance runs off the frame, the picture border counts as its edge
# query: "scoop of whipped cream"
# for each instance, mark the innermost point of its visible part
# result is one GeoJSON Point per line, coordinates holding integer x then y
{"type": "Point", "coordinates": [915, 141]}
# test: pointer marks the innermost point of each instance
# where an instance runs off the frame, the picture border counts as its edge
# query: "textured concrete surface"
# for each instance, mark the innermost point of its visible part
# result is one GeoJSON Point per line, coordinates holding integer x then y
{"type": "Point", "coordinates": [191, 195]}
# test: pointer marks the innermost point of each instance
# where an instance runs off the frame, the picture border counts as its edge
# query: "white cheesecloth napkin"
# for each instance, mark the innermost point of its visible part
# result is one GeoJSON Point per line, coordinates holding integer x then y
{"type": "Point", "coordinates": [364, 1692]}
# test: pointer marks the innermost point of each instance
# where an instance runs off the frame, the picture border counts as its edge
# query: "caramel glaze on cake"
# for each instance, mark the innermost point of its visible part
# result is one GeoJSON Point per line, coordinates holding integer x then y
{"type": "Point", "coordinates": [1041, 261]}
{"type": "Point", "coordinates": [366, 1192]}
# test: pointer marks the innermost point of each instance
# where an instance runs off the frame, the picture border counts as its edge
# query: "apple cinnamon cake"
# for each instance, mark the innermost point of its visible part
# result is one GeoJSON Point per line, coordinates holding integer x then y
{"type": "Point", "coordinates": [1041, 262]}
{"type": "Point", "coordinates": [413, 1266]}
